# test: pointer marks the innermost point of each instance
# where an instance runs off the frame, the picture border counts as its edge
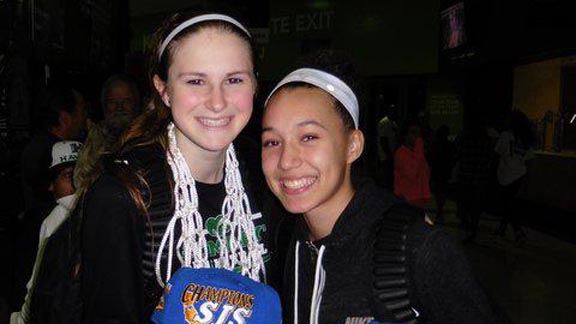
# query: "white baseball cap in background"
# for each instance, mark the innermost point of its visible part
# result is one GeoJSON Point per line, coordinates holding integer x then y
{"type": "Point", "coordinates": [65, 152]}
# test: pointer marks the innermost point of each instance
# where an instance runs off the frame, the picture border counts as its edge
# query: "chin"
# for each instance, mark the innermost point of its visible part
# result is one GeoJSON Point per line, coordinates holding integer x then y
{"type": "Point", "coordinates": [296, 208]}
{"type": "Point", "coordinates": [217, 145]}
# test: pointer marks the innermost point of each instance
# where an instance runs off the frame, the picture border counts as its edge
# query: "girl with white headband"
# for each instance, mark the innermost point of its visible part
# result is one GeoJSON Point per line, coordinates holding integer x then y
{"type": "Point", "coordinates": [359, 254]}
{"type": "Point", "coordinates": [176, 194]}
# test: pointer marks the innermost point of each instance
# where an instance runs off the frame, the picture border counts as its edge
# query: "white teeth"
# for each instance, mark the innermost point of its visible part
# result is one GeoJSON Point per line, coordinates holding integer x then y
{"type": "Point", "coordinates": [214, 122]}
{"type": "Point", "coordinates": [300, 183]}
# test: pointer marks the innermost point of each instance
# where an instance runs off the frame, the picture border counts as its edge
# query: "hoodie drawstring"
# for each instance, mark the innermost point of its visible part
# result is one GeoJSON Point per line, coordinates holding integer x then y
{"type": "Point", "coordinates": [296, 266]}
{"type": "Point", "coordinates": [319, 283]}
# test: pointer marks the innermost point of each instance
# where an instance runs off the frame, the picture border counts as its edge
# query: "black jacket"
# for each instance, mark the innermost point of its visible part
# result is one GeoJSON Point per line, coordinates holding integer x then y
{"type": "Point", "coordinates": [442, 285]}
{"type": "Point", "coordinates": [119, 243]}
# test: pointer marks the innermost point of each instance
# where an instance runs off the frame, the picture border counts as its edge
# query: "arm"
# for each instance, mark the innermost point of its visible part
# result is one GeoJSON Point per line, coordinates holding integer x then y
{"type": "Point", "coordinates": [112, 284]}
{"type": "Point", "coordinates": [23, 316]}
{"type": "Point", "coordinates": [445, 286]}
{"type": "Point", "coordinates": [502, 147]}
{"type": "Point", "coordinates": [422, 167]}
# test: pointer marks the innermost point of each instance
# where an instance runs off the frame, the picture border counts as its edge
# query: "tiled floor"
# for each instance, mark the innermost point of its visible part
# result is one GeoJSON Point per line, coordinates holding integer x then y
{"type": "Point", "coordinates": [534, 283]}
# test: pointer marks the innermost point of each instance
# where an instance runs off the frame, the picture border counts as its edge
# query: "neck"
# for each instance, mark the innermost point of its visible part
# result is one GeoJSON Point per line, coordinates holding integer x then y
{"type": "Point", "coordinates": [320, 226]}
{"type": "Point", "coordinates": [410, 145]}
{"type": "Point", "coordinates": [58, 132]}
{"type": "Point", "coordinates": [205, 166]}
{"type": "Point", "coordinates": [322, 219]}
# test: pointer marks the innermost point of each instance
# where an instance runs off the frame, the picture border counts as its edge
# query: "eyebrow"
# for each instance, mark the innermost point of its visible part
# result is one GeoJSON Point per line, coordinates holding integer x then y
{"type": "Point", "coordinates": [201, 74]}
{"type": "Point", "coordinates": [300, 124]}
{"type": "Point", "coordinates": [238, 72]}
{"type": "Point", "coordinates": [185, 74]}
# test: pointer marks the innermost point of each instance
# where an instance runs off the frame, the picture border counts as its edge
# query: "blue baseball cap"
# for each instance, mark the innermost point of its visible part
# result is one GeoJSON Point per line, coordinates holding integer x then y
{"type": "Point", "coordinates": [216, 296]}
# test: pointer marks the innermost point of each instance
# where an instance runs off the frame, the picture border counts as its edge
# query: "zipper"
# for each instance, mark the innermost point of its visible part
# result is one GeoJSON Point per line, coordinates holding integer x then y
{"type": "Point", "coordinates": [313, 249]}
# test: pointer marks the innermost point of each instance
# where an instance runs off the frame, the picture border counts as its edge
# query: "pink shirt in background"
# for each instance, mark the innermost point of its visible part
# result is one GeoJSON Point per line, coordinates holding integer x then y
{"type": "Point", "coordinates": [412, 174]}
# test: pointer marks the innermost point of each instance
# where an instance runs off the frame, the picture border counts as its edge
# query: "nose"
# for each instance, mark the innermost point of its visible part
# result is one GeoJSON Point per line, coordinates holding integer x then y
{"type": "Point", "coordinates": [290, 157]}
{"type": "Point", "coordinates": [120, 106]}
{"type": "Point", "coordinates": [117, 105]}
{"type": "Point", "coordinates": [217, 101]}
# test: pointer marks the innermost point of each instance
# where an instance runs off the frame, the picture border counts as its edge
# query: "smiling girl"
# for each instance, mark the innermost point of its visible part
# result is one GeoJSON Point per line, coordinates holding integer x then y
{"type": "Point", "coordinates": [176, 195]}
{"type": "Point", "coordinates": [361, 255]}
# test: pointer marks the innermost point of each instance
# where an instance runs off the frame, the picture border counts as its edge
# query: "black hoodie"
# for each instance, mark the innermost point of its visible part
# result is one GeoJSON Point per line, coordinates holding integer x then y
{"type": "Point", "coordinates": [442, 285]}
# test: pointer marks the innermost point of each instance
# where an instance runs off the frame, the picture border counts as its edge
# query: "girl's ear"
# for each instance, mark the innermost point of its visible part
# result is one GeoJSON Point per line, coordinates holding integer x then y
{"type": "Point", "coordinates": [160, 86]}
{"type": "Point", "coordinates": [356, 145]}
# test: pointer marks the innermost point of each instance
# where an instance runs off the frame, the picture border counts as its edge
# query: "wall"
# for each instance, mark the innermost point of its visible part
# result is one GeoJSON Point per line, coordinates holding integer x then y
{"type": "Point", "coordinates": [537, 89]}
{"type": "Point", "coordinates": [444, 105]}
{"type": "Point", "coordinates": [395, 37]}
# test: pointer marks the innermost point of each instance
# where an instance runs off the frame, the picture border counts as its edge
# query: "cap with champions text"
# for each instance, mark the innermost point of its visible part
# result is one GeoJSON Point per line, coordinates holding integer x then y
{"type": "Point", "coordinates": [216, 296]}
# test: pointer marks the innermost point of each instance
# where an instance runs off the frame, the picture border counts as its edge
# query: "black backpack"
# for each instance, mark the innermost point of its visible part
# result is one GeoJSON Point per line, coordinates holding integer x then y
{"type": "Point", "coordinates": [56, 292]}
{"type": "Point", "coordinates": [391, 282]}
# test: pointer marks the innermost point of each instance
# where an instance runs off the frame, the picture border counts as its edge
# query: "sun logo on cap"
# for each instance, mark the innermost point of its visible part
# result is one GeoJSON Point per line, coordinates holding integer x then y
{"type": "Point", "coordinates": [190, 313]}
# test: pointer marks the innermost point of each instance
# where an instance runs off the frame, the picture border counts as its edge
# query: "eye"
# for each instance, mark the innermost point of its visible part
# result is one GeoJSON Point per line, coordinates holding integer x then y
{"type": "Point", "coordinates": [234, 80]}
{"type": "Point", "coordinates": [195, 82]}
{"type": "Point", "coordinates": [309, 137]}
{"type": "Point", "coordinates": [270, 143]}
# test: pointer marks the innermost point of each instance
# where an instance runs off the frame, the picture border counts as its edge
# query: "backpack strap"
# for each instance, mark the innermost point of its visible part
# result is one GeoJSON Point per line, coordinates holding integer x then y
{"type": "Point", "coordinates": [391, 274]}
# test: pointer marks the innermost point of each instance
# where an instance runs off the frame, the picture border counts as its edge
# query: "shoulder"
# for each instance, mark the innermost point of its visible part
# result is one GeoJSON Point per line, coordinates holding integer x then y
{"type": "Point", "coordinates": [108, 211]}
{"type": "Point", "coordinates": [403, 153]}
{"type": "Point", "coordinates": [40, 140]}
{"type": "Point", "coordinates": [372, 199]}
{"type": "Point", "coordinates": [421, 237]}
{"type": "Point", "coordinates": [400, 150]}
{"type": "Point", "coordinates": [142, 163]}
{"type": "Point", "coordinates": [403, 214]}
{"type": "Point", "coordinates": [107, 190]}
{"type": "Point", "coordinates": [54, 219]}
{"type": "Point", "coordinates": [142, 157]}
{"type": "Point", "coordinates": [40, 145]}
{"type": "Point", "coordinates": [432, 247]}
{"type": "Point", "coordinates": [423, 234]}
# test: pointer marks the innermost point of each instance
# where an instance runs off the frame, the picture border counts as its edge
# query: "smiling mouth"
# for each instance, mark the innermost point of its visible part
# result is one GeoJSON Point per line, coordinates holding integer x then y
{"type": "Point", "coordinates": [215, 122]}
{"type": "Point", "coordinates": [298, 184]}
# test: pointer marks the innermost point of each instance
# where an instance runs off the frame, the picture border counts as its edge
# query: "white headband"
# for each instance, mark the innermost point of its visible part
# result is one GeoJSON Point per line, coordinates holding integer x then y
{"type": "Point", "coordinates": [327, 82]}
{"type": "Point", "coordinates": [195, 20]}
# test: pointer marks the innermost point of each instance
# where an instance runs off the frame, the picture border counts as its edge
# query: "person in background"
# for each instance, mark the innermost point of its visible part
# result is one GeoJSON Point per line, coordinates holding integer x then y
{"type": "Point", "coordinates": [310, 139]}
{"type": "Point", "coordinates": [441, 162]}
{"type": "Point", "coordinates": [102, 139]}
{"type": "Point", "coordinates": [176, 194]}
{"type": "Point", "coordinates": [387, 129]}
{"type": "Point", "coordinates": [56, 276]}
{"type": "Point", "coordinates": [120, 98]}
{"type": "Point", "coordinates": [64, 118]}
{"type": "Point", "coordinates": [514, 149]}
{"type": "Point", "coordinates": [64, 157]}
{"type": "Point", "coordinates": [475, 158]}
{"type": "Point", "coordinates": [411, 171]}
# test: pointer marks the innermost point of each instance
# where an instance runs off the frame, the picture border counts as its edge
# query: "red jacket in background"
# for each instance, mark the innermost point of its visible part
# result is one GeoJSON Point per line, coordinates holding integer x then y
{"type": "Point", "coordinates": [411, 173]}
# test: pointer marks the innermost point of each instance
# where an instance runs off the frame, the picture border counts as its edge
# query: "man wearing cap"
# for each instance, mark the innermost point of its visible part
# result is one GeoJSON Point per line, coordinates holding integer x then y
{"type": "Point", "coordinates": [64, 118]}
{"type": "Point", "coordinates": [64, 156]}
